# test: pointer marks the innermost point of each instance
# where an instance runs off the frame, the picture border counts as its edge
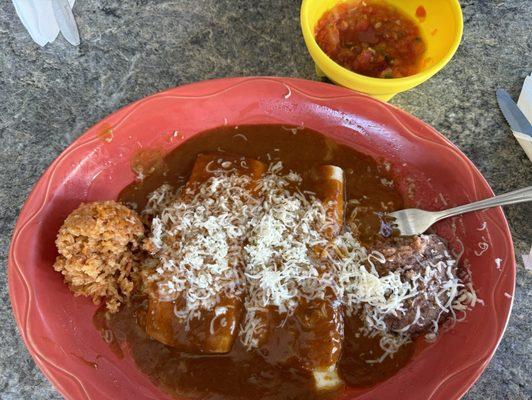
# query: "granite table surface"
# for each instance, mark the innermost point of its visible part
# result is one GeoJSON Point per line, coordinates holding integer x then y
{"type": "Point", "coordinates": [133, 48]}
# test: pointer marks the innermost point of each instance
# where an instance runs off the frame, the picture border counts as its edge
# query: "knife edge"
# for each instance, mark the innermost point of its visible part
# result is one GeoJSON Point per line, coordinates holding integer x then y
{"type": "Point", "coordinates": [513, 115]}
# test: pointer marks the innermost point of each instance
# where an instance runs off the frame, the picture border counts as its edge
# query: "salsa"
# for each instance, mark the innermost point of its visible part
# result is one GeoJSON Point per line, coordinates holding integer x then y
{"type": "Point", "coordinates": [372, 39]}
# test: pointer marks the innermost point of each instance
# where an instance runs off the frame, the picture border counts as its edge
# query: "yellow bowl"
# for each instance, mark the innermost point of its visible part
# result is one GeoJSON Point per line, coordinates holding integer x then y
{"type": "Point", "coordinates": [441, 28]}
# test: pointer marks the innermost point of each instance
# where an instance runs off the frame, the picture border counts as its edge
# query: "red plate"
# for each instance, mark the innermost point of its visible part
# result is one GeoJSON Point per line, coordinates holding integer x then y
{"type": "Point", "coordinates": [57, 327]}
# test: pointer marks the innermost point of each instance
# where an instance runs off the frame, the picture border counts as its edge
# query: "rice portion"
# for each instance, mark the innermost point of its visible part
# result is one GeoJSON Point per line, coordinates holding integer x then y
{"type": "Point", "coordinates": [96, 247]}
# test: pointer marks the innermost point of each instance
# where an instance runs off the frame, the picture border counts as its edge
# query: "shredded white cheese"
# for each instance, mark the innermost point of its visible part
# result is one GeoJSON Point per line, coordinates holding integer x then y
{"type": "Point", "coordinates": [269, 245]}
{"type": "Point", "coordinates": [483, 247]}
{"type": "Point", "coordinates": [197, 237]}
{"type": "Point", "coordinates": [281, 266]}
{"type": "Point", "coordinates": [289, 93]}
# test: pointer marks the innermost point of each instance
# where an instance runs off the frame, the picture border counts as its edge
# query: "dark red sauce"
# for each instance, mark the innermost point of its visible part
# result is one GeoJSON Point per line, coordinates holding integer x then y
{"type": "Point", "coordinates": [372, 38]}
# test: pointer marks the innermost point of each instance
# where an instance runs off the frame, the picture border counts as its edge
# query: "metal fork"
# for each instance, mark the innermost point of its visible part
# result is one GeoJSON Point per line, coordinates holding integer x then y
{"type": "Point", "coordinates": [413, 221]}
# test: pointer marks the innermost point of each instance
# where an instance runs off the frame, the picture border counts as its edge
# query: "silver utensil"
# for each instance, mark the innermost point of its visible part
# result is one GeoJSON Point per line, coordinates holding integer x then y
{"type": "Point", "coordinates": [514, 116]}
{"type": "Point", "coordinates": [413, 221]}
{"type": "Point", "coordinates": [518, 122]}
{"type": "Point", "coordinates": [65, 20]}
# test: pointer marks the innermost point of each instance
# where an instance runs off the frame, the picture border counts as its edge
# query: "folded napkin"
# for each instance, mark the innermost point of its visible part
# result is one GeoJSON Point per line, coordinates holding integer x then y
{"type": "Point", "coordinates": [525, 98]}
{"type": "Point", "coordinates": [43, 19]}
{"type": "Point", "coordinates": [525, 105]}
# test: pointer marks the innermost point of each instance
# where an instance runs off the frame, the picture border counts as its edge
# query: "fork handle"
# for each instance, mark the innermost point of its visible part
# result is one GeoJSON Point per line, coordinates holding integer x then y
{"type": "Point", "coordinates": [517, 196]}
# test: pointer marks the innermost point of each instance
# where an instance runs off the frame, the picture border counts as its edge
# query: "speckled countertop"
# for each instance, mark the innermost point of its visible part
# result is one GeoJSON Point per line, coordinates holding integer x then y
{"type": "Point", "coordinates": [133, 48]}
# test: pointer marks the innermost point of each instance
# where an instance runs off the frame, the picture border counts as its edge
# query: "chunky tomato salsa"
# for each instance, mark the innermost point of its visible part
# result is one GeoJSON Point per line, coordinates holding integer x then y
{"type": "Point", "coordinates": [372, 39]}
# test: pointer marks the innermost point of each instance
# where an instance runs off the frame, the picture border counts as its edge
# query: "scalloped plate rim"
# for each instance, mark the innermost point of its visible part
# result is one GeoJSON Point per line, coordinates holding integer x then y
{"type": "Point", "coordinates": [289, 83]}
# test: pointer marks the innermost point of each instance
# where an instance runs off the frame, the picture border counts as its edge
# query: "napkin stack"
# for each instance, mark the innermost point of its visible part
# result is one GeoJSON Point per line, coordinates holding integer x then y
{"type": "Point", "coordinates": [525, 105]}
{"type": "Point", "coordinates": [43, 19]}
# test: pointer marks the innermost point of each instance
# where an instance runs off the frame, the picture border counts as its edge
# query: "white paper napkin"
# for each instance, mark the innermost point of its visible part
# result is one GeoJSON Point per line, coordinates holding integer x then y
{"type": "Point", "coordinates": [525, 98]}
{"type": "Point", "coordinates": [38, 18]}
{"type": "Point", "coordinates": [525, 105]}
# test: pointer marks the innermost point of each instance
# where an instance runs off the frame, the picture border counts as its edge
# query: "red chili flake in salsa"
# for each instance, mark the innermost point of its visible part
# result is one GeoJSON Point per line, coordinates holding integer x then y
{"type": "Point", "coordinates": [371, 39]}
{"type": "Point", "coordinates": [421, 13]}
